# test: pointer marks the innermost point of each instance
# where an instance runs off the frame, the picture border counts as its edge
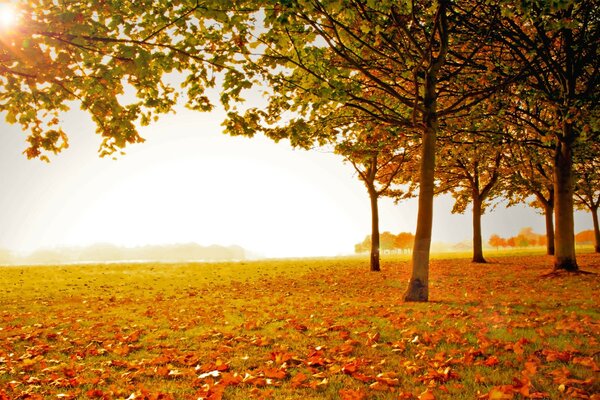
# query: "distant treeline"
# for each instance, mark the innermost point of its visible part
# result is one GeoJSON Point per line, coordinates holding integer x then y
{"type": "Point", "coordinates": [110, 253]}
{"type": "Point", "coordinates": [388, 241]}
{"type": "Point", "coordinates": [527, 237]}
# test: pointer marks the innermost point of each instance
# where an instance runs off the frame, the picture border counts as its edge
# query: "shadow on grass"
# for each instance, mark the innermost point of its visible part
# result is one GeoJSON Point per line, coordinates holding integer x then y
{"type": "Point", "coordinates": [561, 273]}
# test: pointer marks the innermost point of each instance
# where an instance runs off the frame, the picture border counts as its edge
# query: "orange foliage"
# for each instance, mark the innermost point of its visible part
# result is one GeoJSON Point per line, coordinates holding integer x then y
{"type": "Point", "coordinates": [585, 237]}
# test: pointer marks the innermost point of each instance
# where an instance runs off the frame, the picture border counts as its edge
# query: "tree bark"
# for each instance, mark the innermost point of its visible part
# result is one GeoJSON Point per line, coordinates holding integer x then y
{"type": "Point", "coordinates": [594, 211]}
{"type": "Point", "coordinates": [477, 241]}
{"type": "Point", "coordinates": [418, 287]}
{"type": "Point", "coordinates": [375, 265]}
{"type": "Point", "coordinates": [549, 214]}
{"type": "Point", "coordinates": [564, 239]}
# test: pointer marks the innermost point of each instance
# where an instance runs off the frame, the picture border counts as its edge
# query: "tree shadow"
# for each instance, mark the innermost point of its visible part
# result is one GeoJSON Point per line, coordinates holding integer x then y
{"type": "Point", "coordinates": [561, 273]}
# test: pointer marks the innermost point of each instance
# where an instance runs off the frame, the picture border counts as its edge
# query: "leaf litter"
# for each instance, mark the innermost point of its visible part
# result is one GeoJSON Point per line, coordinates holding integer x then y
{"type": "Point", "coordinates": [327, 329]}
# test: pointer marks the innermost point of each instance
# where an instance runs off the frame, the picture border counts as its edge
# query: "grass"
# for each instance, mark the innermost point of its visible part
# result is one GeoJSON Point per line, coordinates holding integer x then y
{"type": "Point", "coordinates": [299, 329]}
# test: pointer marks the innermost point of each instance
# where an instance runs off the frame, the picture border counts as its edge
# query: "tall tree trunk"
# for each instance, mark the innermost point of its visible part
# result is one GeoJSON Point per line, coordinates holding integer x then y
{"type": "Point", "coordinates": [564, 239]}
{"type": "Point", "coordinates": [594, 211]}
{"type": "Point", "coordinates": [374, 231]}
{"type": "Point", "coordinates": [418, 286]}
{"type": "Point", "coordinates": [549, 214]}
{"type": "Point", "coordinates": [477, 241]}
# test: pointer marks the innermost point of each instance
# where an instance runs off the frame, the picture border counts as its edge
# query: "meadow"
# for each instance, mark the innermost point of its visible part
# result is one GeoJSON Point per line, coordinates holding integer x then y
{"type": "Point", "coordinates": [300, 329]}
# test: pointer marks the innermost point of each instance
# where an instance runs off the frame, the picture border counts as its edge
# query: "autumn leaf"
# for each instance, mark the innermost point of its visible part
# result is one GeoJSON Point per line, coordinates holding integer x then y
{"type": "Point", "coordinates": [379, 386]}
{"type": "Point", "coordinates": [501, 393]}
{"type": "Point", "coordinates": [350, 368]}
{"type": "Point", "coordinates": [352, 394]}
{"type": "Point", "coordinates": [389, 378]}
{"type": "Point", "coordinates": [491, 361]}
{"type": "Point", "coordinates": [587, 362]}
{"type": "Point", "coordinates": [427, 395]}
{"type": "Point", "coordinates": [209, 362]}
{"type": "Point", "coordinates": [229, 379]}
{"type": "Point", "coordinates": [553, 355]}
{"type": "Point", "coordinates": [372, 338]}
{"type": "Point", "coordinates": [274, 373]}
{"type": "Point", "coordinates": [298, 380]}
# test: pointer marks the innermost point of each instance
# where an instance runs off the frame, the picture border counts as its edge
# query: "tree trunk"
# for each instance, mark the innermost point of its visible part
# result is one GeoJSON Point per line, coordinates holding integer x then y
{"type": "Point", "coordinates": [477, 241]}
{"type": "Point", "coordinates": [564, 239]}
{"type": "Point", "coordinates": [594, 211]}
{"type": "Point", "coordinates": [418, 287]}
{"type": "Point", "coordinates": [374, 231]}
{"type": "Point", "coordinates": [549, 214]}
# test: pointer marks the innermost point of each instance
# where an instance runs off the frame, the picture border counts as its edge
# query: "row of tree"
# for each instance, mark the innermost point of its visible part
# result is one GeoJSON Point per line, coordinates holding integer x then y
{"type": "Point", "coordinates": [482, 99]}
{"type": "Point", "coordinates": [526, 237]}
{"type": "Point", "coordinates": [404, 242]}
{"type": "Point", "coordinates": [529, 238]}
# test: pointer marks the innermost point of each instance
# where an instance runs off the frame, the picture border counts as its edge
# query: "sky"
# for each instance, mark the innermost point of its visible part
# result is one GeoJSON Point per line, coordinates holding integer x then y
{"type": "Point", "coordinates": [191, 183]}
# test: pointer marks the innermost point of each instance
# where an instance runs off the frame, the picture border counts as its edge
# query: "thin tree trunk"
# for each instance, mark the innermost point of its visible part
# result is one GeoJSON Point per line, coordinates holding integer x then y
{"type": "Point", "coordinates": [477, 241]}
{"type": "Point", "coordinates": [596, 229]}
{"type": "Point", "coordinates": [374, 231]}
{"type": "Point", "coordinates": [564, 239]}
{"type": "Point", "coordinates": [549, 214]}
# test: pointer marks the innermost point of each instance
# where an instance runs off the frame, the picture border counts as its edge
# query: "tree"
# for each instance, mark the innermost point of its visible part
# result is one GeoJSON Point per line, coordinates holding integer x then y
{"type": "Point", "coordinates": [380, 158]}
{"type": "Point", "coordinates": [407, 65]}
{"type": "Point", "coordinates": [388, 241]}
{"type": "Point", "coordinates": [363, 246]}
{"type": "Point", "coordinates": [555, 44]}
{"type": "Point", "coordinates": [587, 193]}
{"type": "Point", "coordinates": [316, 56]}
{"type": "Point", "coordinates": [497, 241]}
{"type": "Point", "coordinates": [471, 171]}
{"type": "Point", "coordinates": [532, 175]}
{"type": "Point", "coordinates": [527, 237]}
{"type": "Point", "coordinates": [585, 237]}
{"type": "Point", "coordinates": [90, 53]}
{"type": "Point", "coordinates": [404, 241]}
{"type": "Point", "coordinates": [529, 133]}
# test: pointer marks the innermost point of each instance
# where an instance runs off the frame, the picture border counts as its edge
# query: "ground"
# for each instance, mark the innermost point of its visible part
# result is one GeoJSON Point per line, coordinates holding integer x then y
{"type": "Point", "coordinates": [300, 329]}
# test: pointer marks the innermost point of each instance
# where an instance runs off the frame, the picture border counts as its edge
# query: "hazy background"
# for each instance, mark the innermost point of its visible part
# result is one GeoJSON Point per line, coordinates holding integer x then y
{"type": "Point", "coordinates": [189, 183]}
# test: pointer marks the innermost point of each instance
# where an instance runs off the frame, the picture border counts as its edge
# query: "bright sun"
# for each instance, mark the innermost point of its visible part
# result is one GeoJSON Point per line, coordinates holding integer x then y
{"type": "Point", "coordinates": [8, 15]}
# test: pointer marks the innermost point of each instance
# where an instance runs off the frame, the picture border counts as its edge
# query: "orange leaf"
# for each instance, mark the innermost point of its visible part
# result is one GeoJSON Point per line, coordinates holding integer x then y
{"type": "Point", "coordinates": [229, 379]}
{"type": "Point", "coordinates": [587, 362]}
{"type": "Point", "coordinates": [274, 373]}
{"type": "Point", "coordinates": [351, 394]}
{"type": "Point", "coordinates": [530, 368]}
{"type": "Point", "coordinates": [379, 386]}
{"type": "Point", "coordinates": [389, 378]}
{"type": "Point", "coordinates": [298, 380]}
{"type": "Point", "coordinates": [372, 338]}
{"type": "Point", "coordinates": [501, 393]}
{"type": "Point", "coordinates": [427, 395]}
{"type": "Point", "coordinates": [92, 393]}
{"type": "Point", "coordinates": [280, 357]}
{"type": "Point", "coordinates": [491, 361]}
{"type": "Point", "coordinates": [350, 368]}
{"type": "Point", "coordinates": [362, 377]}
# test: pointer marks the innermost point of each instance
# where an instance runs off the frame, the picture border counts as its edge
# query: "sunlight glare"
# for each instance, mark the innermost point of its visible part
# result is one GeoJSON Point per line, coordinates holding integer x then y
{"type": "Point", "coordinates": [8, 15]}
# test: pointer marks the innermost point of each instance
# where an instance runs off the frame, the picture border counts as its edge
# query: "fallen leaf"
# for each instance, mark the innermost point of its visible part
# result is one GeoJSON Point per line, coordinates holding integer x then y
{"type": "Point", "coordinates": [352, 394]}
{"type": "Point", "coordinates": [427, 395]}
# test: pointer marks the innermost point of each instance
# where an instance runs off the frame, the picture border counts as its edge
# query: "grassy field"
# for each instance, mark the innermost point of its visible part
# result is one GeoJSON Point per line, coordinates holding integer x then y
{"type": "Point", "coordinates": [300, 329]}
